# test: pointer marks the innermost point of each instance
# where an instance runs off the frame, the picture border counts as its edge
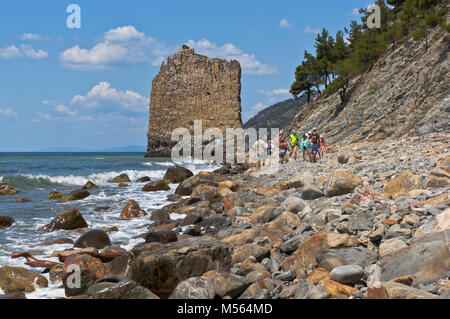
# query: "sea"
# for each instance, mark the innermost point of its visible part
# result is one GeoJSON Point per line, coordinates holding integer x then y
{"type": "Point", "coordinates": [38, 174]}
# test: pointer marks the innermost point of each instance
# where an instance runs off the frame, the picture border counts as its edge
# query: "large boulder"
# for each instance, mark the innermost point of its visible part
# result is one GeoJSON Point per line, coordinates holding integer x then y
{"type": "Point", "coordinates": [332, 258]}
{"type": "Point", "coordinates": [427, 259]}
{"type": "Point", "coordinates": [156, 186]}
{"type": "Point", "coordinates": [122, 265]}
{"type": "Point", "coordinates": [132, 210]}
{"type": "Point", "coordinates": [95, 238]}
{"type": "Point", "coordinates": [79, 194]}
{"type": "Point", "coordinates": [80, 272]}
{"type": "Point", "coordinates": [194, 288]}
{"type": "Point", "coordinates": [6, 221]}
{"type": "Point", "coordinates": [161, 236]}
{"type": "Point", "coordinates": [227, 284]}
{"type": "Point", "coordinates": [125, 289]}
{"type": "Point", "coordinates": [242, 253]}
{"type": "Point", "coordinates": [440, 175]}
{"type": "Point", "coordinates": [122, 178]}
{"type": "Point", "coordinates": [14, 279]}
{"type": "Point", "coordinates": [7, 189]}
{"type": "Point", "coordinates": [90, 185]}
{"type": "Point", "coordinates": [201, 189]}
{"type": "Point", "coordinates": [177, 174]}
{"type": "Point", "coordinates": [188, 185]}
{"type": "Point", "coordinates": [67, 221]}
{"type": "Point", "coordinates": [161, 269]}
{"type": "Point", "coordinates": [402, 184]}
{"type": "Point", "coordinates": [341, 182]}
{"type": "Point", "coordinates": [266, 213]}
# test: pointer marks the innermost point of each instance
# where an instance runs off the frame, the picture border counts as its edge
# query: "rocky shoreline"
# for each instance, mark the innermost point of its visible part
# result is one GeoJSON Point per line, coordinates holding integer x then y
{"type": "Point", "coordinates": [369, 221]}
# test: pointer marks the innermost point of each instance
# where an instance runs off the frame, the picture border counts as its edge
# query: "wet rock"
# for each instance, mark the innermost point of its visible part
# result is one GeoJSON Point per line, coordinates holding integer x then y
{"type": "Point", "coordinates": [121, 265]}
{"type": "Point", "coordinates": [242, 253]}
{"type": "Point", "coordinates": [311, 192]}
{"type": "Point", "coordinates": [101, 209]}
{"type": "Point", "coordinates": [122, 185]}
{"type": "Point", "coordinates": [68, 221]}
{"type": "Point", "coordinates": [6, 221]}
{"type": "Point", "coordinates": [55, 195]}
{"type": "Point", "coordinates": [79, 194]}
{"type": "Point", "coordinates": [89, 269]}
{"type": "Point", "coordinates": [56, 274]}
{"type": "Point", "coordinates": [341, 182]}
{"type": "Point", "coordinates": [122, 178]}
{"type": "Point", "coordinates": [89, 185]}
{"type": "Point", "coordinates": [132, 210]}
{"type": "Point", "coordinates": [348, 274]}
{"type": "Point", "coordinates": [94, 238]}
{"type": "Point", "coordinates": [7, 189]}
{"type": "Point", "coordinates": [162, 268]}
{"type": "Point", "coordinates": [226, 284]}
{"type": "Point", "coordinates": [191, 219]}
{"type": "Point", "coordinates": [402, 184]}
{"type": "Point", "coordinates": [161, 236]}
{"type": "Point", "coordinates": [193, 230]}
{"type": "Point", "coordinates": [194, 288]}
{"type": "Point", "coordinates": [144, 179]}
{"type": "Point", "coordinates": [23, 200]}
{"type": "Point", "coordinates": [160, 215]}
{"type": "Point", "coordinates": [174, 198]}
{"type": "Point", "coordinates": [177, 174]}
{"type": "Point", "coordinates": [125, 289]}
{"type": "Point", "coordinates": [156, 186]}
{"type": "Point", "coordinates": [16, 279]}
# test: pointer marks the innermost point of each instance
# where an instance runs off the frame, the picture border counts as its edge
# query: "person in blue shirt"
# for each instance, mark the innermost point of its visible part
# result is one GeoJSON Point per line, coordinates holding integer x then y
{"type": "Point", "coordinates": [305, 147]}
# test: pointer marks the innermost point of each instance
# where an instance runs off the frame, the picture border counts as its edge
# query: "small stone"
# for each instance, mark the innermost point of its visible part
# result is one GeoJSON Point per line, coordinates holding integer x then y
{"type": "Point", "coordinates": [348, 274]}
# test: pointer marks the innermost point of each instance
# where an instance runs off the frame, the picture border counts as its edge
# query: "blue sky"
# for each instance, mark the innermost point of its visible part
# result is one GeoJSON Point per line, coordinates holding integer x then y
{"type": "Point", "coordinates": [89, 87]}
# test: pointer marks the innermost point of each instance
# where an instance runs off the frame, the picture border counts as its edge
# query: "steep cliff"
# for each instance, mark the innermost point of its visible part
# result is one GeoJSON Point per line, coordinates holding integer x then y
{"type": "Point", "coordinates": [192, 87]}
{"type": "Point", "coordinates": [405, 93]}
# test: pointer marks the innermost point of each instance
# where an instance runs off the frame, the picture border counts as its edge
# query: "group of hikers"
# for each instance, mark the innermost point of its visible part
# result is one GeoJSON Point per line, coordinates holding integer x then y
{"type": "Point", "coordinates": [312, 146]}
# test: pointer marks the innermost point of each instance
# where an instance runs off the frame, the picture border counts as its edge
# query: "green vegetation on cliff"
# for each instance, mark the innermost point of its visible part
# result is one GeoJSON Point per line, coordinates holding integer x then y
{"type": "Point", "coordinates": [336, 61]}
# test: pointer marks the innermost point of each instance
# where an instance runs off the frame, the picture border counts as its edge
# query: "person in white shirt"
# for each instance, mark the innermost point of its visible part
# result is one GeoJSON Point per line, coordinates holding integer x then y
{"type": "Point", "coordinates": [260, 148]}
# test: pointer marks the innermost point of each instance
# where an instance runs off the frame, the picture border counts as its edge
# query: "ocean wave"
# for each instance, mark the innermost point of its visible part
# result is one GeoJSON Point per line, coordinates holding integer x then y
{"type": "Point", "coordinates": [34, 181]}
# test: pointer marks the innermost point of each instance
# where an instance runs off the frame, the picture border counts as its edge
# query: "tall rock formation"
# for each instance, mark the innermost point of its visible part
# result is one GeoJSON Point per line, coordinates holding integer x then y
{"type": "Point", "coordinates": [192, 87]}
{"type": "Point", "coordinates": [405, 93]}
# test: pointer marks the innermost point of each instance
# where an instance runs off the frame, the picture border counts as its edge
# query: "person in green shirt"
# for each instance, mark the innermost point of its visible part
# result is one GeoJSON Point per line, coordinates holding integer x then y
{"type": "Point", "coordinates": [293, 142]}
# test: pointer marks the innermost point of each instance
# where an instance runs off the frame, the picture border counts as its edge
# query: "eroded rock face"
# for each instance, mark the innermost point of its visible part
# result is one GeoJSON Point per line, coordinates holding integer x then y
{"type": "Point", "coordinates": [192, 87]}
{"type": "Point", "coordinates": [162, 268]}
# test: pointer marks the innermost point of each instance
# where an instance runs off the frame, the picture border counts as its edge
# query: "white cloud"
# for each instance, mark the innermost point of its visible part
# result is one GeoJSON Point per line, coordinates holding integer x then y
{"type": "Point", "coordinates": [8, 112]}
{"type": "Point", "coordinates": [30, 36]}
{"type": "Point", "coordinates": [310, 30]}
{"type": "Point", "coordinates": [284, 23]}
{"type": "Point", "coordinates": [249, 63]}
{"type": "Point", "coordinates": [103, 94]}
{"type": "Point", "coordinates": [355, 11]}
{"type": "Point", "coordinates": [121, 46]}
{"type": "Point", "coordinates": [60, 108]}
{"type": "Point", "coordinates": [259, 107]}
{"type": "Point", "coordinates": [274, 92]}
{"type": "Point", "coordinates": [123, 34]}
{"type": "Point", "coordinates": [32, 53]}
{"type": "Point", "coordinates": [12, 52]}
{"type": "Point", "coordinates": [125, 46]}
